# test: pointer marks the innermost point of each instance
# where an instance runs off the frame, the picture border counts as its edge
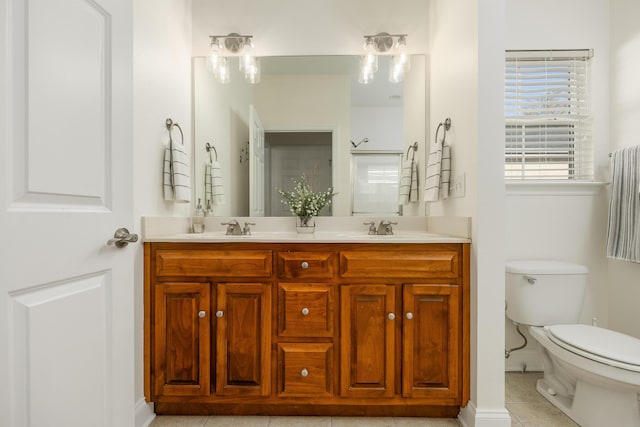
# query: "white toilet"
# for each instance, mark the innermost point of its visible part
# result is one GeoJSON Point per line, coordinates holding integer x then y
{"type": "Point", "coordinates": [590, 373]}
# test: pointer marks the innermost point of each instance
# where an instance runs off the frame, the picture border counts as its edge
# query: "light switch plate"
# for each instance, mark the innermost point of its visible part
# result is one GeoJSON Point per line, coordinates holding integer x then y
{"type": "Point", "coordinates": [457, 185]}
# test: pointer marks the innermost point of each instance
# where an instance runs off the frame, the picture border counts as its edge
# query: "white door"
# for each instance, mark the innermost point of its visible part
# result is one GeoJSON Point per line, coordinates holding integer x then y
{"type": "Point", "coordinates": [256, 164]}
{"type": "Point", "coordinates": [66, 298]}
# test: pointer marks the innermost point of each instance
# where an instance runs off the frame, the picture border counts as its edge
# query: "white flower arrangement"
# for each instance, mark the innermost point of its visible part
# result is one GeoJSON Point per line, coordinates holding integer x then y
{"type": "Point", "coordinates": [304, 202]}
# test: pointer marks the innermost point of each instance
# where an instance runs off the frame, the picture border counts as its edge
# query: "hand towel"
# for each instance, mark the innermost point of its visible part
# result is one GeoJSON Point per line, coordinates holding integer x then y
{"type": "Point", "coordinates": [409, 183]}
{"type": "Point", "coordinates": [213, 185]}
{"type": "Point", "coordinates": [177, 173]}
{"type": "Point", "coordinates": [438, 173]}
{"type": "Point", "coordinates": [623, 232]}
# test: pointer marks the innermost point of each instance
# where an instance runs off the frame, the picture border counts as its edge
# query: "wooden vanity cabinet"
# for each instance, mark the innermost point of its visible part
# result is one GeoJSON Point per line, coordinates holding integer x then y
{"type": "Point", "coordinates": [307, 329]}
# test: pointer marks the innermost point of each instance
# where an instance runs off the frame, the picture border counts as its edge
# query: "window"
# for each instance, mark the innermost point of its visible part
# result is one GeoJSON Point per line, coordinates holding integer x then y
{"type": "Point", "coordinates": [547, 115]}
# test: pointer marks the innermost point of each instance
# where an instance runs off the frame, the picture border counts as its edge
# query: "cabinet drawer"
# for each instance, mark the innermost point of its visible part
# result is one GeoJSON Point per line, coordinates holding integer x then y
{"type": "Point", "coordinates": [305, 310]}
{"type": "Point", "coordinates": [300, 265]}
{"type": "Point", "coordinates": [305, 369]}
{"type": "Point", "coordinates": [401, 264]}
{"type": "Point", "coordinates": [219, 263]}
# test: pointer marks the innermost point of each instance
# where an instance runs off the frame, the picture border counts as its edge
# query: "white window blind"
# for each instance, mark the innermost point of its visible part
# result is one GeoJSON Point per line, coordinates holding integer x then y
{"type": "Point", "coordinates": [547, 115]}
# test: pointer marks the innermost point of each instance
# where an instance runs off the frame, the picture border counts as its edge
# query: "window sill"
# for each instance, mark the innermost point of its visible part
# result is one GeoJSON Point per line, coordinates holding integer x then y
{"type": "Point", "coordinates": [553, 188]}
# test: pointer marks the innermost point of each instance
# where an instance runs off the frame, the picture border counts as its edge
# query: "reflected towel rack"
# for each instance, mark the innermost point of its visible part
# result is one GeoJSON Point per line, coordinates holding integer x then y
{"type": "Point", "coordinates": [210, 147]}
{"type": "Point", "coordinates": [415, 148]}
{"type": "Point", "coordinates": [447, 126]}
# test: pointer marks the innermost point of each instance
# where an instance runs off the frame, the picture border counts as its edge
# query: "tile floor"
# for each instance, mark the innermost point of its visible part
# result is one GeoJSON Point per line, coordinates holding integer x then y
{"type": "Point", "coordinates": [527, 408]}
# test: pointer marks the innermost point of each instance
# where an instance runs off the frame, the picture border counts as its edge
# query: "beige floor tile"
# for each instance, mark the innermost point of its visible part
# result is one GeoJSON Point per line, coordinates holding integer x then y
{"type": "Point", "coordinates": [237, 421]}
{"type": "Point", "coordinates": [425, 422]}
{"type": "Point", "coordinates": [178, 421]}
{"type": "Point", "coordinates": [521, 388]}
{"type": "Point", "coordinates": [299, 422]}
{"type": "Point", "coordinates": [539, 415]}
{"type": "Point", "coordinates": [362, 422]}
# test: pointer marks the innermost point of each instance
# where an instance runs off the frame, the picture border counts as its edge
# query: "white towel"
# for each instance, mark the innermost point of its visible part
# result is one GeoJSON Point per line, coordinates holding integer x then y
{"type": "Point", "coordinates": [409, 182]}
{"type": "Point", "coordinates": [438, 173]}
{"type": "Point", "coordinates": [623, 233]}
{"type": "Point", "coordinates": [177, 173]}
{"type": "Point", "coordinates": [213, 186]}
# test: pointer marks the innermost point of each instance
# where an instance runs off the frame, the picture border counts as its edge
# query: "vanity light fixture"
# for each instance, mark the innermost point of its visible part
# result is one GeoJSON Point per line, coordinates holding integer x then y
{"type": "Point", "coordinates": [233, 45]}
{"type": "Point", "coordinates": [384, 44]}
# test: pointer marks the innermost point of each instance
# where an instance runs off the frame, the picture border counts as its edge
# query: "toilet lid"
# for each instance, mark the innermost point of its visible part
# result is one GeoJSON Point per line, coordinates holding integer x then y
{"type": "Point", "coordinates": [599, 344]}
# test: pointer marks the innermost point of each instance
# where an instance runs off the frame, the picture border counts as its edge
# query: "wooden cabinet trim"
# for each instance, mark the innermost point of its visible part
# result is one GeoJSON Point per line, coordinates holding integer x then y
{"type": "Point", "coordinates": [210, 262]}
{"type": "Point", "coordinates": [402, 264]}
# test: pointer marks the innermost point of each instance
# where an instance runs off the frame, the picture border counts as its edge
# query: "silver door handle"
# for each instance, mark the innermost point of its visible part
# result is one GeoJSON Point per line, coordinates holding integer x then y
{"type": "Point", "coordinates": [122, 238]}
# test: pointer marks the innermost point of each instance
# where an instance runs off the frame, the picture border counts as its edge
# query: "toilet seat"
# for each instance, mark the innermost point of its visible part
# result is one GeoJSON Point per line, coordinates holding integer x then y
{"type": "Point", "coordinates": [598, 344]}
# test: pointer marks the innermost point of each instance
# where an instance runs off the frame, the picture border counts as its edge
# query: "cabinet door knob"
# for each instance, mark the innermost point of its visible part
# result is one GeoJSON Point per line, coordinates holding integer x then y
{"type": "Point", "coordinates": [304, 372]}
{"type": "Point", "coordinates": [391, 316]}
{"type": "Point", "coordinates": [201, 314]}
{"type": "Point", "coordinates": [305, 311]}
{"type": "Point", "coordinates": [219, 313]}
{"type": "Point", "coordinates": [305, 264]}
{"type": "Point", "coordinates": [409, 315]}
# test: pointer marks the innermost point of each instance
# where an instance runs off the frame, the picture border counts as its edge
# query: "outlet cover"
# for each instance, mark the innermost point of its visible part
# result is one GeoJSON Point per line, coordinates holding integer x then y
{"type": "Point", "coordinates": [457, 185]}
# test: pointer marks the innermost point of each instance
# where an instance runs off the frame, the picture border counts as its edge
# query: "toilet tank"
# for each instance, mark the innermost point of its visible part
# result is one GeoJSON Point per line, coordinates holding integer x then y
{"type": "Point", "coordinates": [544, 292]}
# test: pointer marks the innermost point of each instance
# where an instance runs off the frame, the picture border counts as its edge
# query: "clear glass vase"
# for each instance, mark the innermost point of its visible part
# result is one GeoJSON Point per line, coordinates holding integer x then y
{"type": "Point", "coordinates": [305, 224]}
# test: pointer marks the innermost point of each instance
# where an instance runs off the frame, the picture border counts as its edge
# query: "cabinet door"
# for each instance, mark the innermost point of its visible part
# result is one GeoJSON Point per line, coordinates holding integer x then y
{"type": "Point", "coordinates": [431, 341]}
{"type": "Point", "coordinates": [243, 341]}
{"type": "Point", "coordinates": [367, 340]}
{"type": "Point", "coordinates": [182, 339]}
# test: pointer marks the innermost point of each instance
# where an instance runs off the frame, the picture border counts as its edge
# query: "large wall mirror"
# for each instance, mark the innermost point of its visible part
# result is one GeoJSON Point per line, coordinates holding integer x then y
{"type": "Point", "coordinates": [308, 114]}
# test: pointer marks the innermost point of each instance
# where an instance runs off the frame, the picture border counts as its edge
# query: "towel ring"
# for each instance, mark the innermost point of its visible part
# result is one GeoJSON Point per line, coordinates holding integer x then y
{"type": "Point", "coordinates": [170, 124]}
{"type": "Point", "coordinates": [415, 148]}
{"type": "Point", "coordinates": [210, 147]}
{"type": "Point", "coordinates": [447, 126]}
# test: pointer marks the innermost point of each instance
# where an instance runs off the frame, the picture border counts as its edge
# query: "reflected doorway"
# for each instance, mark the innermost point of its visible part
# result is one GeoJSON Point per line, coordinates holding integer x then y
{"type": "Point", "coordinates": [288, 155]}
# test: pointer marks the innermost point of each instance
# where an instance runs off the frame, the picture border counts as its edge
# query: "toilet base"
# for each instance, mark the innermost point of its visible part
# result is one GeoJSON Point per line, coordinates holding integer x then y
{"type": "Point", "coordinates": [587, 407]}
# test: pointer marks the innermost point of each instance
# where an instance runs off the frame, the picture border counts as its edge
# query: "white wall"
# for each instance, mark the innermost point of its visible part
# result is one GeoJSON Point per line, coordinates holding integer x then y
{"type": "Point", "coordinates": [624, 277]}
{"type": "Point", "coordinates": [466, 84]}
{"type": "Point", "coordinates": [558, 223]}
{"type": "Point", "coordinates": [310, 27]}
{"type": "Point", "coordinates": [162, 76]}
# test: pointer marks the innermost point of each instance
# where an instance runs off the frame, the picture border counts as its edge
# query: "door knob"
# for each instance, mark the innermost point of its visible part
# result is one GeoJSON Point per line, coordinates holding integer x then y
{"type": "Point", "coordinates": [122, 238]}
{"type": "Point", "coordinates": [219, 314]}
{"type": "Point", "coordinates": [391, 316]}
{"type": "Point", "coordinates": [201, 314]}
{"type": "Point", "coordinates": [305, 264]}
{"type": "Point", "coordinates": [409, 315]}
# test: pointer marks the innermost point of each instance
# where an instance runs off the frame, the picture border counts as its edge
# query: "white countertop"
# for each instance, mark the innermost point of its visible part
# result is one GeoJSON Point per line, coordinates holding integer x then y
{"type": "Point", "coordinates": [328, 230]}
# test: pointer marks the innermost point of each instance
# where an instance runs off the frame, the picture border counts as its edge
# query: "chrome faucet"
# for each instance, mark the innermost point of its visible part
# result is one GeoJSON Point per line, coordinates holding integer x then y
{"type": "Point", "coordinates": [372, 227]}
{"type": "Point", "coordinates": [246, 230]}
{"type": "Point", "coordinates": [233, 228]}
{"type": "Point", "coordinates": [385, 228]}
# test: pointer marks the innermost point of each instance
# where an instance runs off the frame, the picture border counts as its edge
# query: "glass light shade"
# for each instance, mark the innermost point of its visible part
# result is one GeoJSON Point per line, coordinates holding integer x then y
{"type": "Point", "coordinates": [367, 71]}
{"type": "Point", "coordinates": [223, 71]}
{"type": "Point", "coordinates": [252, 70]}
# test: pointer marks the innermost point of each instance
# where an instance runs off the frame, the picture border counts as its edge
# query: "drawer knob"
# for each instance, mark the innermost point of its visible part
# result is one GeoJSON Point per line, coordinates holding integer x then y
{"type": "Point", "coordinates": [219, 313]}
{"type": "Point", "coordinates": [201, 314]}
{"type": "Point", "coordinates": [305, 311]}
{"type": "Point", "coordinates": [391, 316]}
{"type": "Point", "coordinates": [304, 373]}
{"type": "Point", "coordinates": [305, 264]}
{"type": "Point", "coordinates": [409, 315]}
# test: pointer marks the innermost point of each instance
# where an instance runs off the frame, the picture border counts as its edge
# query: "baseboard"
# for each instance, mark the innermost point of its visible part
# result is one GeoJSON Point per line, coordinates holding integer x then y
{"type": "Point", "coordinates": [144, 413]}
{"type": "Point", "coordinates": [470, 416]}
{"type": "Point", "coordinates": [525, 359]}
